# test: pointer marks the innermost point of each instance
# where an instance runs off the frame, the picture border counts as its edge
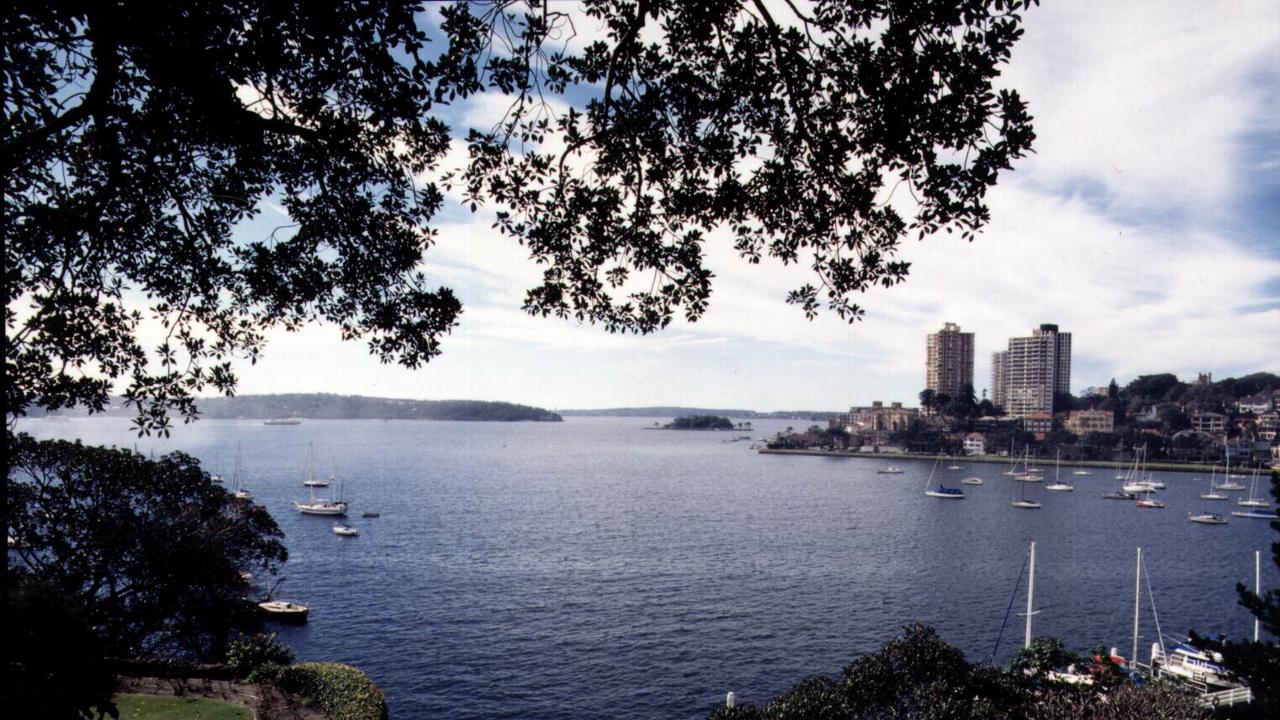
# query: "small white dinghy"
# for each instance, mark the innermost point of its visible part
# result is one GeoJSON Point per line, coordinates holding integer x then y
{"type": "Point", "coordinates": [345, 531]}
{"type": "Point", "coordinates": [971, 481]}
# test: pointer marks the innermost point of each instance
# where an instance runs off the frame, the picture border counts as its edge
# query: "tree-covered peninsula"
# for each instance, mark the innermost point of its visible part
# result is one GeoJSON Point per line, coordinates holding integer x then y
{"type": "Point", "coordinates": [325, 406]}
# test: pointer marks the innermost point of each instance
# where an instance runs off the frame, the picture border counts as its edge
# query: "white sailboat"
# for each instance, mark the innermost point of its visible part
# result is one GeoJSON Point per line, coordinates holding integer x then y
{"type": "Point", "coordinates": [1021, 502]}
{"type": "Point", "coordinates": [322, 506]}
{"type": "Point", "coordinates": [1013, 462]}
{"type": "Point", "coordinates": [1150, 503]}
{"type": "Point", "coordinates": [1057, 485]}
{"type": "Point", "coordinates": [1254, 501]}
{"type": "Point", "coordinates": [1213, 493]}
{"type": "Point", "coordinates": [1135, 483]}
{"type": "Point", "coordinates": [311, 479]}
{"type": "Point", "coordinates": [971, 481]}
{"type": "Point", "coordinates": [240, 493]}
{"type": "Point", "coordinates": [942, 491]}
{"type": "Point", "coordinates": [1228, 483]}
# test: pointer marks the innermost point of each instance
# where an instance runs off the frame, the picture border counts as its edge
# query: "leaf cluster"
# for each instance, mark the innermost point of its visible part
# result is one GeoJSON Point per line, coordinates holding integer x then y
{"type": "Point", "coordinates": [790, 132]}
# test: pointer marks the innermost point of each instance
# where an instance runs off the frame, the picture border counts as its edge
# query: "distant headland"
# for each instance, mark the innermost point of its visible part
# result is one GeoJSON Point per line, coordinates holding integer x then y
{"type": "Point", "coordinates": [326, 406]}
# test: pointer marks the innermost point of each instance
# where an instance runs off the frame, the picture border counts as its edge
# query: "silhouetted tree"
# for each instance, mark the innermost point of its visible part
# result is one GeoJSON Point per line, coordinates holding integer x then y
{"type": "Point", "coordinates": [55, 663]}
{"type": "Point", "coordinates": [928, 399]}
{"type": "Point", "coordinates": [143, 139]}
{"type": "Point", "coordinates": [152, 551]}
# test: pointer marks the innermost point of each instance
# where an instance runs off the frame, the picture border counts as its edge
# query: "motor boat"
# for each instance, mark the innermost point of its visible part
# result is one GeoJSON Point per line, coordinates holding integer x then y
{"type": "Point", "coordinates": [345, 531]}
{"type": "Point", "coordinates": [284, 611]}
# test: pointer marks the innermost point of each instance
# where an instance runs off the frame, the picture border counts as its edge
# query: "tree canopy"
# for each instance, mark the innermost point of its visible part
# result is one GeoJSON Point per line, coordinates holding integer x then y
{"type": "Point", "coordinates": [151, 550]}
{"type": "Point", "coordinates": [140, 138]}
{"type": "Point", "coordinates": [918, 675]}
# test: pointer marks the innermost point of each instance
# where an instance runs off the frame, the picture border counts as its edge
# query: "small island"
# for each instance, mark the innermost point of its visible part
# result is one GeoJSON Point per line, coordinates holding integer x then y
{"type": "Point", "coordinates": [700, 422]}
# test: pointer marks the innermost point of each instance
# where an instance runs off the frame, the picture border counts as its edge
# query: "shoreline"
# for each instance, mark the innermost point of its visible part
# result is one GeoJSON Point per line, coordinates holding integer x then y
{"type": "Point", "coordinates": [987, 459]}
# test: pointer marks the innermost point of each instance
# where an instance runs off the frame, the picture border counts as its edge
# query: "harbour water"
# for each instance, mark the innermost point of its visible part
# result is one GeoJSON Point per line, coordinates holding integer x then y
{"type": "Point", "coordinates": [595, 568]}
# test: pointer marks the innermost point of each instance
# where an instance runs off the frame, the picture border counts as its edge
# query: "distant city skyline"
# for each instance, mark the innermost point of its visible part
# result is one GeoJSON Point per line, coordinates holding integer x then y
{"type": "Point", "coordinates": [1147, 222]}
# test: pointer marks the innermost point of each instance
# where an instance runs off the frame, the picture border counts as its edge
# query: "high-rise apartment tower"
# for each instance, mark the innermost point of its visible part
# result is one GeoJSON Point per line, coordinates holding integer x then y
{"type": "Point", "coordinates": [1025, 377]}
{"type": "Point", "coordinates": [948, 360]}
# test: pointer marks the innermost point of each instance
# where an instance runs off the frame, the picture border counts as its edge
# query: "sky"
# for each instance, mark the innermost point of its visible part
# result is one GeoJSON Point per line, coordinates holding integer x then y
{"type": "Point", "coordinates": [1147, 224]}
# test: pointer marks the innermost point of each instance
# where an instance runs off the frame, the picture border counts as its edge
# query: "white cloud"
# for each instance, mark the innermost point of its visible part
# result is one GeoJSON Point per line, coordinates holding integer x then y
{"type": "Point", "coordinates": [1147, 100]}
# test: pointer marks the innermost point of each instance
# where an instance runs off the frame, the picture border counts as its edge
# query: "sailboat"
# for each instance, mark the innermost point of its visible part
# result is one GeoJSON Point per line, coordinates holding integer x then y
{"type": "Point", "coordinates": [1022, 502]}
{"type": "Point", "coordinates": [322, 506]}
{"type": "Point", "coordinates": [1149, 503]}
{"type": "Point", "coordinates": [1030, 474]}
{"type": "Point", "coordinates": [1057, 485]}
{"type": "Point", "coordinates": [1207, 518]}
{"type": "Point", "coordinates": [239, 492]}
{"type": "Point", "coordinates": [1226, 475]}
{"type": "Point", "coordinates": [311, 479]}
{"type": "Point", "coordinates": [1213, 493]}
{"type": "Point", "coordinates": [1013, 462]}
{"type": "Point", "coordinates": [1133, 481]}
{"type": "Point", "coordinates": [1254, 501]}
{"type": "Point", "coordinates": [942, 491]}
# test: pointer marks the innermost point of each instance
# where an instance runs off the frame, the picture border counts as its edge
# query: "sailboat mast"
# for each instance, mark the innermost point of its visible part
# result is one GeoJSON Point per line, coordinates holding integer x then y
{"type": "Point", "coordinates": [1031, 592]}
{"type": "Point", "coordinates": [1257, 586]}
{"type": "Point", "coordinates": [1137, 595]}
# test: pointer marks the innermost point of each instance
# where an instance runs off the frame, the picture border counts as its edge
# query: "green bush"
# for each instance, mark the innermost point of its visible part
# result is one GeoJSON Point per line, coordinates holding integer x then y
{"type": "Point", "coordinates": [340, 691]}
{"type": "Point", "coordinates": [251, 655]}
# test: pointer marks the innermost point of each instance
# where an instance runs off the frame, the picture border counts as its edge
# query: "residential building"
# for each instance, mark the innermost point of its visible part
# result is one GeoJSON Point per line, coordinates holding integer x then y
{"type": "Point", "coordinates": [1268, 425]}
{"type": "Point", "coordinates": [877, 421]}
{"type": "Point", "coordinates": [1083, 422]}
{"type": "Point", "coordinates": [1032, 370]}
{"type": "Point", "coordinates": [1209, 422]}
{"type": "Point", "coordinates": [948, 360]}
{"type": "Point", "coordinates": [1040, 424]}
{"type": "Point", "coordinates": [997, 378]}
{"type": "Point", "coordinates": [975, 444]}
{"type": "Point", "coordinates": [1256, 404]}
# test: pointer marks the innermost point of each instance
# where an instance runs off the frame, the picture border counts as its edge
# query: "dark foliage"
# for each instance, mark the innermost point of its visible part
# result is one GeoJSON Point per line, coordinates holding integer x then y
{"type": "Point", "coordinates": [919, 676]}
{"type": "Point", "coordinates": [55, 665]}
{"type": "Point", "coordinates": [1258, 662]}
{"type": "Point", "coordinates": [140, 136]}
{"type": "Point", "coordinates": [249, 655]}
{"type": "Point", "coordinates": [152, 550]}
{"type": "Point", "coordinates": [700, 422]}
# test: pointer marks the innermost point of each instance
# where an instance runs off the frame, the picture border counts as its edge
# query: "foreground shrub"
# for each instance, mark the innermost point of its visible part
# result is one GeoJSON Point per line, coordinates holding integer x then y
{"type": "Point", "coordinates": [255, 656]}
{"type": "Point", "coordinates": [340, 691]}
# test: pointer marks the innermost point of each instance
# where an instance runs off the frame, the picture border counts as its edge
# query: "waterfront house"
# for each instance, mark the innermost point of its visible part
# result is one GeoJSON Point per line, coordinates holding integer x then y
{"type": "Point", "coordinates": [975, 444]}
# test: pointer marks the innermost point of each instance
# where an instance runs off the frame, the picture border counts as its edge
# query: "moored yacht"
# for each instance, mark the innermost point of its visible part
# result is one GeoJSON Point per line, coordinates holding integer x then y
{"type": "Point", "coordinates": [1207, 518]}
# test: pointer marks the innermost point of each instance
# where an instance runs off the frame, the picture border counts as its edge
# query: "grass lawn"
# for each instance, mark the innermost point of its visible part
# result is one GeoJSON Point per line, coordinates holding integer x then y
{"type": "Point", "coordinates": [159, 707]}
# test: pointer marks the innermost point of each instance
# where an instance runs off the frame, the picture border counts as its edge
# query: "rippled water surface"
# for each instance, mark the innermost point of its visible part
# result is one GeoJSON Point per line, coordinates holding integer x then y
{"type": "Point", "coordinates": [595, 568]}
